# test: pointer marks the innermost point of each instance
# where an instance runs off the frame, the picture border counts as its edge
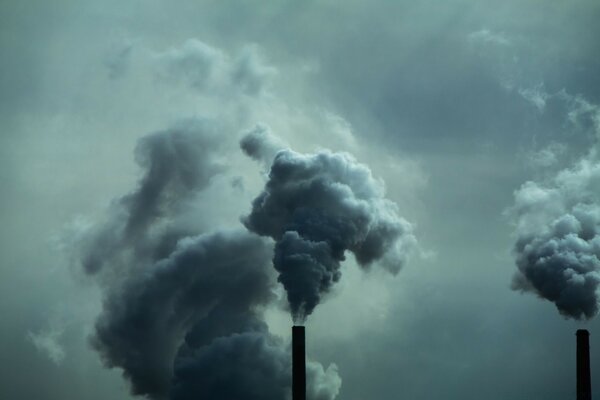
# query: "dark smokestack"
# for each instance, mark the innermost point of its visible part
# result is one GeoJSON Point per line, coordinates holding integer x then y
{"type": "Point", "coordinates": [298, 364]}
{"type": "Point", "coordinates": [584, 382]}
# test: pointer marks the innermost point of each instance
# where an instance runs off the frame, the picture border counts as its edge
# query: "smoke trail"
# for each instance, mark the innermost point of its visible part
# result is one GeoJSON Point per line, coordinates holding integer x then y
{"type": "Point", "coordinates": [177, 163]}
{"type": "Point", "coordinates": [318, 206]}
{"type": "Point", "coordinates": [557, 250]}
{"type": "Point", "coordinates": [259, 144]}
{"type": "Point", "coordinates": [182, 313]}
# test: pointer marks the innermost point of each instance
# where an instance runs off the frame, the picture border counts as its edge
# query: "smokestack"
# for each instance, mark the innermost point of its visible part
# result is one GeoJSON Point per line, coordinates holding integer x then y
{"type": "Point", "coordinates": [298, 364]}
{"type": "Point", "coordinates": [584, 381]}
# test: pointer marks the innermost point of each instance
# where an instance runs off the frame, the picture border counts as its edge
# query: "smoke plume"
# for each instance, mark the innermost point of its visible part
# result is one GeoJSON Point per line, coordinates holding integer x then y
{"type": "Point", "coordinates": [183, 311]}
{"type": "Point", "coordinates": [177, 163]}
{"type": "Point", "coordinates": [318, 206]}
{"type": "Point", "coordinates": [260, 145]}
{"type": "Point", "coordinates": [557, 250]}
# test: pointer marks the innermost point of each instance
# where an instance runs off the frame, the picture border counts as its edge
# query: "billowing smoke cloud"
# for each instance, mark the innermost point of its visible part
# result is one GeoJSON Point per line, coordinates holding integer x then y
{"type": "Point", "coordinates": [268, 380]}
{"type": "Point", "coordinates": [258, 364]}
{"type": "Point", "coordinates": [183, 313]}
{"type": "Point", "coordinates": [558, 240]}
{"type": "Point", "coordinates": [177, 163]}
{"type": "Point", "coordinates": [318, 206]}
{"type": "Point", "coordinates": [215, 279]}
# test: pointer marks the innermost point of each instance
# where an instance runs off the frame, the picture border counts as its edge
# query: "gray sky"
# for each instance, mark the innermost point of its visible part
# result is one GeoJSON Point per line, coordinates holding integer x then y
{"type": "Point", "coordinates": [454, 104]}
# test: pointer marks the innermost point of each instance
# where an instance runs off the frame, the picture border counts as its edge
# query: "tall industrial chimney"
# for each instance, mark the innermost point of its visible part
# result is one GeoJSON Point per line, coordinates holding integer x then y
{"type": "Point", "coordinates": [298, 364]}
{"type": "Point", "coordinates": [584, 381]}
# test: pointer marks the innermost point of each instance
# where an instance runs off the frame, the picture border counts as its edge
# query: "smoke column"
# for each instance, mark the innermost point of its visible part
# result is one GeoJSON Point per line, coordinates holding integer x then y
{"type": "Point", "coordinates": [557, 251]}
{"type": "Point", "coordinates": [316, 207]}
{"type": "Point", "coordinates": [183, 309]}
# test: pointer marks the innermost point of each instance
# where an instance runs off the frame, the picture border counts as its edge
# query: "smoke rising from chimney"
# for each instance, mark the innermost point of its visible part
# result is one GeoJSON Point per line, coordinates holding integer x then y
{"type": "Point", "coordinates": [318, 206]}
{"type": "Point", "coordinates": [183, 312]}
{"type": "Point", "coordinates": [557, 250]}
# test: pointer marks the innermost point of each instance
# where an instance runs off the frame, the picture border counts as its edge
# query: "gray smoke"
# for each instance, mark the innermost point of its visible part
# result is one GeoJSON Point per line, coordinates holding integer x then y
{"type": "Point", "coordinates": [183, 313]}
{"type": "Point", "coordinates": [318, 206]}
{"type": "Point", "coordinates": [557, 250]}
{"type": "Point", "coordinates": [260, 145]}
{"type": "Point", "coordinates": [228, 370]}
{"type": "Point", "coordinates": [177, 163]}
{"type": "Point", "coordinates": [210, 286]}
{"type": "Point", "coordinates": [234, 357]}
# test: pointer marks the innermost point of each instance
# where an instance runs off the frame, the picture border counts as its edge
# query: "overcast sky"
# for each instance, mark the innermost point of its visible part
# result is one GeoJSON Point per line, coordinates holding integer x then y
{"type": "Point", "coordinates": [454, 105]}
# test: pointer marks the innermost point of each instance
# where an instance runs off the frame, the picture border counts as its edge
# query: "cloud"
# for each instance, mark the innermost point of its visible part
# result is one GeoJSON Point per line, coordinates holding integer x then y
{"type": "Point", "coordinates": [548, 156]}
{"type": "Point", "coordinates": [206, 68]}
{"type": "Point", "coordinates": [341, 131]}
{"type": "Point", "coordinates": [536, 96]}
{"type": "Point", "coordinates": [486, 36]}
{"type": "Point", "coordinates": [250, 72]}
{"type": "Point", "coordinates": [119, 58]}
{"type": "Point", "coordinates": [47, 341]}
{"type": "Point", "coordinates": [318, 206]}
{"type": "Point", "coordinates": [582, 113]}
{"type": "Point", "coordinates": [195, 62]}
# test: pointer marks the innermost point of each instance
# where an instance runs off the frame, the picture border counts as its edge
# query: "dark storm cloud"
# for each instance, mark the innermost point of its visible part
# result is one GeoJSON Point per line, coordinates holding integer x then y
{"type": "Point", "coordinates": [318, 206]}
{"type": "Point", "coordinates": [182, 314]}
{"type": "Point", "coordinates": [558, 240]}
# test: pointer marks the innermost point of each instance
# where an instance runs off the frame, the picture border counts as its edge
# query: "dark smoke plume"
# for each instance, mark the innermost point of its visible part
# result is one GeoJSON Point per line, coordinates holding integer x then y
{"type": "Point", "coordinates": [235, 360]}
{"type": "Point", "coordinates": [183, 313]}
{"type": "Point", "coordinates": [177, 163]}
{"type": "Point", "coordinates": [211, 286]}
{"type": "Point", "coordinates": [260, 145]}
{"type": "Point", "coordinates": [318, 206]}
{"type": "Point", "coordinates": [557, 250]}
